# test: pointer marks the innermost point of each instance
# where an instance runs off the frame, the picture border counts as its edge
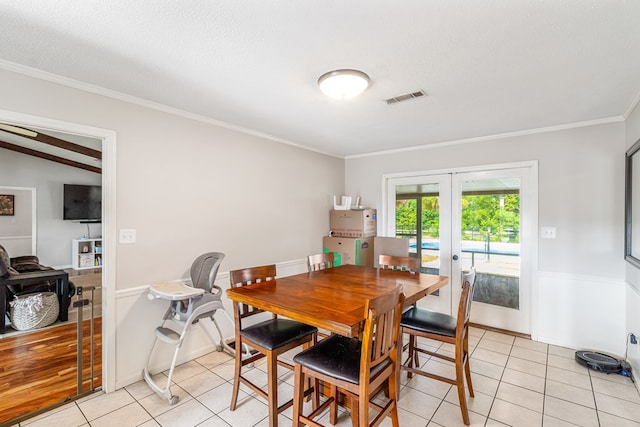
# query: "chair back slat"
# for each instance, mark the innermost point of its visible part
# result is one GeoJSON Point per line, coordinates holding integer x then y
{"type": "Point", "coordinates": [320, 261]}
{"type": "Point", "coordinates": [401, 263]}
{"type": "Point", "coordinates": [381, 330]}
{"type": "Point", "coordinates": [248, 276]}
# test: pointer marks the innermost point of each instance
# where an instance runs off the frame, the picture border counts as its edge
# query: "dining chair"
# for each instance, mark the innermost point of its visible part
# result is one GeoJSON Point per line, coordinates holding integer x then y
{"type": "Point", "coordinates": [403, 263]}
{"type": "Point", "coordinates": [320, 261]}
{"type": "Point", "coordinates": [419, 322]}
{"type": "Point", "coordinates": [317, 262]}
{"type": "Point", "coordinates": [270, 338]}
{"type": "Point", "coordinates": [359, 368]}
{"type": "Point", "coordinates": [400, 263]}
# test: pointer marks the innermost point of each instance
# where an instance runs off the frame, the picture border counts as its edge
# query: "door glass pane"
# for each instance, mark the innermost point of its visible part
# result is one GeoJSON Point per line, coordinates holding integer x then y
{"type": "Point", "coordinates": [418, 219]}
{"type": "Point", "coordinates": [490, 221]}
{"type": "Point", "coordinates": [430, 255]}
{"type": "Point", "coordinates": [406, 223]}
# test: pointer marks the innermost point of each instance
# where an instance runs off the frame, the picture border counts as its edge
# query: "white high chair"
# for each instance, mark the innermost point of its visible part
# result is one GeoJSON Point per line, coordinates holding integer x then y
{"type": "Point", "coordinates": [189, 303]}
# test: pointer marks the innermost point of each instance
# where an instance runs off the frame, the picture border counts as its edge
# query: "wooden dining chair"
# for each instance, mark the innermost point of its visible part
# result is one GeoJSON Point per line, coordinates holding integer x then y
{"type": "Point", "coordinates": [357, 367]}
{"type": "Point", "coordinates": [270, 338]}
{"type": "Point", "coordinates": [419, 322]}
{"type": "Point", "coordinates": [399, 263]}
{"type": "Point", "coordinates": [320, 261]}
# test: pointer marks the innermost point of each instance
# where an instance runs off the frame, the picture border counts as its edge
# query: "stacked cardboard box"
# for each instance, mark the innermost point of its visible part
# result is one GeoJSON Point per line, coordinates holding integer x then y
{"type": "Point", "coordinates": [352, 236]}
{"type": "Point", "coordinates": [350, 223]}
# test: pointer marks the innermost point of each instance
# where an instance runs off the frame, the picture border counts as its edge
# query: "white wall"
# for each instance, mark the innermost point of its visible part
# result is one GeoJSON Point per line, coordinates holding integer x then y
{"type": "Point", "coordinates": [188, 187]}
{"type": "Point", "coordinates": [53, 234]}
{"type": "Point", "coordinates": [581, 192]}
{"type": "Point", "coordinates": [632, 273]}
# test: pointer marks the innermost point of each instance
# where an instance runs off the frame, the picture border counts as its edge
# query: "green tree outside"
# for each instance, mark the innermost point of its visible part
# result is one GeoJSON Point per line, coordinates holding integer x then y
{"type": "Point", "coordinates": [497, 213]}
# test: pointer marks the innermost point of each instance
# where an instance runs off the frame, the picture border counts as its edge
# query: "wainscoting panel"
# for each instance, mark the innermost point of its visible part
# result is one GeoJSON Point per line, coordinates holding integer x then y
{"type": "Point", "coordinates": [582, 312]}
{"type": "Point", "coordinates": [633, 327]}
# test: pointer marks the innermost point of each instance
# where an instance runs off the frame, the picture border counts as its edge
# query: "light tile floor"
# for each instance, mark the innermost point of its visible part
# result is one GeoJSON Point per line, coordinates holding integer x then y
{"type": "Point", "coordinates": [517, 383]}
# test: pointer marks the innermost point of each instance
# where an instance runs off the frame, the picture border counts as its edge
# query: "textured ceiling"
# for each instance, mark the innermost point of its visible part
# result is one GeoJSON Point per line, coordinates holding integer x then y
{"type": "Point", "coordinates": [489, 67]}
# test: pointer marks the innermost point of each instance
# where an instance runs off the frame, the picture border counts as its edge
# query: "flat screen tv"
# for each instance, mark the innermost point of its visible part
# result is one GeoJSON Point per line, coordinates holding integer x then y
{"type": "Point", "coordinates": [82, 203]}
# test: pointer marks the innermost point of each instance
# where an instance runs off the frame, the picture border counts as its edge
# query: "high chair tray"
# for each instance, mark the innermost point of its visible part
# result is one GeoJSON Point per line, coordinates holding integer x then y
{"type": "Point", "coordinates": [174, 291]}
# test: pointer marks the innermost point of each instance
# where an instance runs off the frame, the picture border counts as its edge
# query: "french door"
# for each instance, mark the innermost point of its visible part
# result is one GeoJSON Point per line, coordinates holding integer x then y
{"type": "Point", "coordinates": [479, 218]}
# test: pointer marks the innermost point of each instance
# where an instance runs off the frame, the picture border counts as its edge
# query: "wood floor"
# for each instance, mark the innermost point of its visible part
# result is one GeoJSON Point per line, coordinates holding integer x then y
{"type": "Point", "coordinates": [39, 369]}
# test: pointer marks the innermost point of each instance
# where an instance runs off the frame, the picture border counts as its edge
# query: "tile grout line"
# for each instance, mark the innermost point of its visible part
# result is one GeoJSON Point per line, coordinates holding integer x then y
{"type": "Point", "coordinates": [495, 396]}
{"type": "Point", "coordinates": [560, 360]}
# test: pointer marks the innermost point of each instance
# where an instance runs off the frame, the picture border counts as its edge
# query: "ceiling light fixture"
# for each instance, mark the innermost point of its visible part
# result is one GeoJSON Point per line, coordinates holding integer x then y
{"type": "Point", "coordinates": [343, 84]}
{"type": "Point", "coordinates": [18, 130]}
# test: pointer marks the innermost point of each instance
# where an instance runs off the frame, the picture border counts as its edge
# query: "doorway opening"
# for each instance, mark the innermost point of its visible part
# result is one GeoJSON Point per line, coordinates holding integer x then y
{"type": "Point", "coordinates": [106, 276]}
{"type": "Point", "coordinates": [485, 218]}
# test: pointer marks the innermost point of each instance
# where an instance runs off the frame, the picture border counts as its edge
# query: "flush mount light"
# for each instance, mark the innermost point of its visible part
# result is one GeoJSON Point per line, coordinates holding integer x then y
{"type": "Point", "coordinates": [18, 130]}
{"type": "Point", "coordinates": [343, 84]}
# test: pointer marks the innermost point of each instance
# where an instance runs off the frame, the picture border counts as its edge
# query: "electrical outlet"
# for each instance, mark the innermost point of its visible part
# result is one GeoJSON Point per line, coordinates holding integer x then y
{"type": "Point", "coordinates": [633, 339]}
{"type": "Point", "coordinates": [127, 236]}
{"type": "Point", "coordinates": [548, 232]}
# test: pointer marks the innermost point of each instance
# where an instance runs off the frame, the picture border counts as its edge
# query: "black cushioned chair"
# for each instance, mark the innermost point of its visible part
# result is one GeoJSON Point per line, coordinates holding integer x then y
{"type": "Point", "coordinates": [270, 338]}
{"type": "Point", "coordinates": [419, 322]}
{"type": "Point", "coordinates": [357, 367]}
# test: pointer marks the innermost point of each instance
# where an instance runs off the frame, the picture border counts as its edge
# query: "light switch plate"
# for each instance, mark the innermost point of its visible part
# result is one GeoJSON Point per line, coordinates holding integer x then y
{"type": "Point", "coordinates": [548, 232]}
{"type": "Point", "coordinates": [127, 236]}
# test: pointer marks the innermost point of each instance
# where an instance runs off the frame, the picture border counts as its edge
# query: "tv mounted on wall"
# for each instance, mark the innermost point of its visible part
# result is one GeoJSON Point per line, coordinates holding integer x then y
{"type": "Point", "coordinates": [82, 203]}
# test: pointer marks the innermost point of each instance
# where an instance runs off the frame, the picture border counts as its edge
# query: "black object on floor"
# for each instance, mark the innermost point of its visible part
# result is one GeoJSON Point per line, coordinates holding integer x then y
{"type": "Point", "coordinates": [603, 363]}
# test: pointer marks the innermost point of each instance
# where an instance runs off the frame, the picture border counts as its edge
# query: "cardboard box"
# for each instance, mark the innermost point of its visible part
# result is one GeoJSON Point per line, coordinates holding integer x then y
{"type": "Point", "coordinates": [358, 251]}
{"type": "Point", "coordinates": [351, 223]}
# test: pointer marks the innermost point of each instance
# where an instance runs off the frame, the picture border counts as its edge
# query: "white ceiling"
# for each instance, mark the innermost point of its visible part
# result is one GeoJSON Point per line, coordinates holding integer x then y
{"type": "Point", "coordinates": [489, 67]}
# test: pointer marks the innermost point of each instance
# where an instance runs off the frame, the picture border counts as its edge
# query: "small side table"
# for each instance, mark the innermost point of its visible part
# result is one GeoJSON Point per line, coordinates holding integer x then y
{"type": "Point", "coordinates": [35, 277]}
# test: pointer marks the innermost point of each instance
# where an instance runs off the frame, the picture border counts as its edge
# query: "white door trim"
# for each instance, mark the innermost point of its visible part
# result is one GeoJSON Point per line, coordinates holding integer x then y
{"type": "Point", "coordinates": [442, 303]}
{"type": "Point", "coordinates": [519, 319]}
{"type": "Point", "coordinates": [531, 233]}
{"type": "Point", "coordinates": [108, 138]}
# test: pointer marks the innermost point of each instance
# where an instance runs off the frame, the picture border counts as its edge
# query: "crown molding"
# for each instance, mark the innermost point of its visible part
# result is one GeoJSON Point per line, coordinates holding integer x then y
{"type": "Point", "coordinates": [99, 90]}
{"type": "Point", "coordinates": [556, 128]}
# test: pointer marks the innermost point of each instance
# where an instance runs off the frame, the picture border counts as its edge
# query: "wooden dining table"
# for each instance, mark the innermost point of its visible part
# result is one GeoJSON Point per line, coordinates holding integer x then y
{"type": "Point", "coordinates": [333, 299]}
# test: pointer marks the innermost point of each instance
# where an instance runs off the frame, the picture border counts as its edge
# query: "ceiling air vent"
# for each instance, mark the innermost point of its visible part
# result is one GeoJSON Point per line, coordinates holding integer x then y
{"type": "Point", "coordinates": [405, 97]}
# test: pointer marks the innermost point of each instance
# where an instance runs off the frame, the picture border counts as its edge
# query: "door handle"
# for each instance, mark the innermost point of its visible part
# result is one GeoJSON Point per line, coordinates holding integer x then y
{"type": "Point", "coordinates": [455, 257]}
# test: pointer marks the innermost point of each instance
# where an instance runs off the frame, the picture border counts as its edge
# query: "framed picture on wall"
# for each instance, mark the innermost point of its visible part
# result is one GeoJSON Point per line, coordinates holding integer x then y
{"type": "Point", "coordinates": [7, 204]}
